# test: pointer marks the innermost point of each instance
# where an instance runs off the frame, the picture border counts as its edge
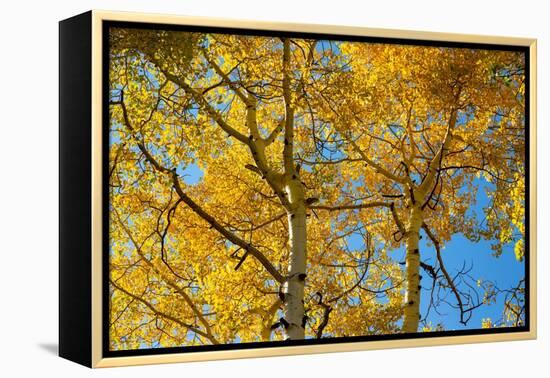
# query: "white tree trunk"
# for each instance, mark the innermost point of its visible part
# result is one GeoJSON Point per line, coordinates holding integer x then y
{"type": "Point", "coordinates": [412, 260]}
{"type": "Point", "coordinates": [419, 196]}
{"type": "Point", "coordinates": [294, 288]}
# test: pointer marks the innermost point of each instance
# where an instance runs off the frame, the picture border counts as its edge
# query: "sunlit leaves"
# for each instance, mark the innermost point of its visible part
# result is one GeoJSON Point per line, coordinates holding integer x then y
{"type": "Point", "coordinates": [368, 119]}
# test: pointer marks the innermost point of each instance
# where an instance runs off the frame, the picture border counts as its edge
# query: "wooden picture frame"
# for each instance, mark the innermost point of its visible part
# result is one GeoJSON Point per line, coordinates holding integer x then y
{"type": "Point", "coordinates": [85, 100]}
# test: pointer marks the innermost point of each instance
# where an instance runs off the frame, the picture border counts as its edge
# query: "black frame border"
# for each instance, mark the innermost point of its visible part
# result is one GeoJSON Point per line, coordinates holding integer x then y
{"type": "Point", "coordinates": [107, 25]}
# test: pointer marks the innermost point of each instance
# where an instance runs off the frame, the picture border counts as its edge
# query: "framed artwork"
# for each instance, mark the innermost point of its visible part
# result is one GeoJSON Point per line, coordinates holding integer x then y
{"type": "Point", "coordinates": [234, 189]}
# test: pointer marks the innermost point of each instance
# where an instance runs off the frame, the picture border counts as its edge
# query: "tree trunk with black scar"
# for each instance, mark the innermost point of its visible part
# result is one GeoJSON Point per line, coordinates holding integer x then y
{"type": "Point", "coordinates": [294, 288]}
{"type": "Point", "coordinates": [412, 259]}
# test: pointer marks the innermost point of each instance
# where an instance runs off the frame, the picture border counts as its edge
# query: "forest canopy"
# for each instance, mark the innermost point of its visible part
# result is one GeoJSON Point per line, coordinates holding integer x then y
{"type": "Point", "coordinates": [280, 188]}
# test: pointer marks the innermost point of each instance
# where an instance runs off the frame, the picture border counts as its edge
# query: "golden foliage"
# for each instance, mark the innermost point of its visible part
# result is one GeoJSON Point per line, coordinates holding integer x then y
{"type": "Point", "coordinates": [368, 122]}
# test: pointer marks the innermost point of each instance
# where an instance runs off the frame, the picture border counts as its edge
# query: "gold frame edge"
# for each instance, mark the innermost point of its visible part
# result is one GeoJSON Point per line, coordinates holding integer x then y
{"type": "Point", "coordinates": [98, 16]}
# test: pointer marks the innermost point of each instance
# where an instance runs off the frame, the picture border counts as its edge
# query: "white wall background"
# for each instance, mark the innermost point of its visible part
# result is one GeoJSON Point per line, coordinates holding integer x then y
{"type": "Point", "coordinates": [29, 175]}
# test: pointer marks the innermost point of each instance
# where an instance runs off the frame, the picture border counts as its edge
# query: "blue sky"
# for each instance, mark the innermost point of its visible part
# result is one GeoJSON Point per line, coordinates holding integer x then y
{"type": "Point", "coordinates": [505, 271]}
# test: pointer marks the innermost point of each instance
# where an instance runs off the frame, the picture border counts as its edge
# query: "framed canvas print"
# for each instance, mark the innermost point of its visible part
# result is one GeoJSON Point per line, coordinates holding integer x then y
{"type": "Point", "coordinates": [235, 189]}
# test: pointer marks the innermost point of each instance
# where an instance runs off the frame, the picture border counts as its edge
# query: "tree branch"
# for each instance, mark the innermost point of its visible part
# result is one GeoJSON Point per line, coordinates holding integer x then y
{"type": "Point", "coordinates": [444, 271]}
{"type": "Point", "coordinates": [268, 319]}
{"type": "Point", "coordinates": [366, 205]}
{"type": "Point", "coordinates": [226, 233]}
{"type": "Point", "coordinates": [170, 282]}
{"type": "Point", "coordinates": [199, 98]}
{"type": "Point", "coordinates": [226, 79]}
{"type": "Point", "coordinates": [162, 314]}
{"type": "Point", "coordinates": [201, 212]}
{"type": "Point", "coordinates": [289, 111]}
{"type": "Point", "coordinates": [276, 131]}
{"type": "Point", "coordinates": [429, 181]}
{"type": "Point", "coordinates": [257, 152]}
{"type": "Point", "coordinates": [377, 167]}
{"type": "Point", "coordinates": [327, 309]}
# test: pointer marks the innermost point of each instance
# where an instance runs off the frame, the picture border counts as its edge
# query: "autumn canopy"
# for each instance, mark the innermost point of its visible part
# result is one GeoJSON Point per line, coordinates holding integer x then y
{"type": "Point", "coordinates": [271, 188]}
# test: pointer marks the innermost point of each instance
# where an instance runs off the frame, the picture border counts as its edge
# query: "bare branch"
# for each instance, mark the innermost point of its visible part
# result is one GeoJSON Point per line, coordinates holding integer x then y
{"type": "Point", "coordinates": [448, 278]}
